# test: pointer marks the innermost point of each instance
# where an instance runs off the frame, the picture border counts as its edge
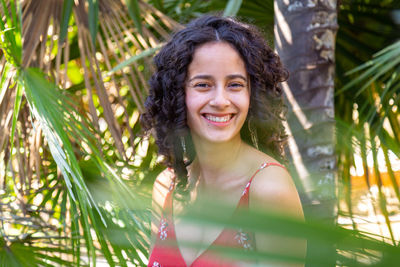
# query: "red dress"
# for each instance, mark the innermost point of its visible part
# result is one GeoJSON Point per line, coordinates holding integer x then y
{"type": "Point", "coordinates": [166, 252]}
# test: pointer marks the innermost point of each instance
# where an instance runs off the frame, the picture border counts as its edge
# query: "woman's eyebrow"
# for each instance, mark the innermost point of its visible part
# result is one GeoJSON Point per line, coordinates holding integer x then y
{"type": "Point", "coordinates": [240, 76]}
{"type": "Point", "coordinates": [209, 77]}
{"type": "Point", "coordinates": [201, 76]}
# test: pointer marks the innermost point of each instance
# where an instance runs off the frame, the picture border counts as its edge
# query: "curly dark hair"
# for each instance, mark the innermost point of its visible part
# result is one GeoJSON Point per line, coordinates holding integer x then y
{"type": "Point", "coordinates": [165, 106]}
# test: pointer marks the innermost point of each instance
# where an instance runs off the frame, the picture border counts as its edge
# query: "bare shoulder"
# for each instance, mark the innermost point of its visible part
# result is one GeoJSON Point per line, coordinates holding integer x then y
{"type": "Point", "coordinates": [164, 179]}
{"type": "Point", "coordinates": [273, 189]}
{"type": "Point", "coordinates": [161, 188]}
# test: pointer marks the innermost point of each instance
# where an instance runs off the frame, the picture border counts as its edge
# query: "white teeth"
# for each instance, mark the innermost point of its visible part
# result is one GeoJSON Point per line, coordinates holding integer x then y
{"type": "Point", "coordinates": [218, 119]}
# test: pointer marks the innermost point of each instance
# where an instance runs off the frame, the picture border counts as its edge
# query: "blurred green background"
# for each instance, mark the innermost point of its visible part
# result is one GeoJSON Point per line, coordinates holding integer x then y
{"type": "Point", "coordinates": [76, 172]}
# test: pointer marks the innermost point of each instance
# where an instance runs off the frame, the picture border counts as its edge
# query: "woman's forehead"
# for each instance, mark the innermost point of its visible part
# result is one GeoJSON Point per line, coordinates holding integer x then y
{"type": "Point", "coordinates": [218, 57]}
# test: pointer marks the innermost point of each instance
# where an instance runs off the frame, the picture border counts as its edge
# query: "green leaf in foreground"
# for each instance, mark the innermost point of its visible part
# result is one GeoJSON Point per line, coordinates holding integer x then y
{"type": "Point", "coordinates": [45, 104]}
{"type": "Point", "coordinates": [17, 106]}
{"type": "Point", "coordinates": [90, 210]}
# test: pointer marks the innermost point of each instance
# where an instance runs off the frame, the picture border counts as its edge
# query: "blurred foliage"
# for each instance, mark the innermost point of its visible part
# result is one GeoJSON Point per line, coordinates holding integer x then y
{"type": "Point", "coordinates": [75, 172]}
{"type": "Point", "coordinates": [366, 103]}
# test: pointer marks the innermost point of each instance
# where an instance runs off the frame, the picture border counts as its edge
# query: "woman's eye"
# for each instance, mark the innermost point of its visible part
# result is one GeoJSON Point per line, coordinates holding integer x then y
{"type": "Point", "coordinates": [201, 85]}
{"type": "Point", "coordinates": [236, 86]}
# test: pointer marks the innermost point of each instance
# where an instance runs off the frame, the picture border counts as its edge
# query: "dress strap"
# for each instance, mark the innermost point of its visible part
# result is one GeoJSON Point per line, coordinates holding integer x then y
{"type": "Point", "coordinates": [168, 198]}
{"type": "Point", "coordinates": [263, 166]}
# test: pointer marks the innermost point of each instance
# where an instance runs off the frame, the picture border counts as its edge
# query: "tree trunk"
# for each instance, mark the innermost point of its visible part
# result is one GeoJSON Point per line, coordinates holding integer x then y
{"type": "Point", "coordinates": [305, 33]}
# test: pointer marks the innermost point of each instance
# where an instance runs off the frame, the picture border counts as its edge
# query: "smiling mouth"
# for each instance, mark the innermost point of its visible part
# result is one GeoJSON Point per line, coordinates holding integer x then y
{"type": "Point", "coordinates": [212, 118]}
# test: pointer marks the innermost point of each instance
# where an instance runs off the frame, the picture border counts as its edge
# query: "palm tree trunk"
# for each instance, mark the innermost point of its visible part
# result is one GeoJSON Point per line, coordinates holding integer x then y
{"type": "Point", "coordinates": [305, 32]}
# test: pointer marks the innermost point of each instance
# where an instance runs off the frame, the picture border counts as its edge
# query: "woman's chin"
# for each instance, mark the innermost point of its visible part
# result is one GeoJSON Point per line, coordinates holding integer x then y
{"type": "Point", "coordinates": [217, 138]}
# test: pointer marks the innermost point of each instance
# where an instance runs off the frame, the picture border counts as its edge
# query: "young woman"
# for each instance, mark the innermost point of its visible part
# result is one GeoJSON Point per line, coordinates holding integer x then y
{"type": "Point", "coordinates": [215, 109]}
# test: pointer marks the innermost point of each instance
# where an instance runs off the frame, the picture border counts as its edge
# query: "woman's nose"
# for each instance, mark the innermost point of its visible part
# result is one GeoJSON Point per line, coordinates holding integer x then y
{"type": "Point", "coordinates": [220, 98]}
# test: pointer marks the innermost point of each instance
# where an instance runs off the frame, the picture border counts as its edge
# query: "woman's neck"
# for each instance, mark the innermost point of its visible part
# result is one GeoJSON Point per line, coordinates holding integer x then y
{"type": "Point", "coordinates": [217, 162]}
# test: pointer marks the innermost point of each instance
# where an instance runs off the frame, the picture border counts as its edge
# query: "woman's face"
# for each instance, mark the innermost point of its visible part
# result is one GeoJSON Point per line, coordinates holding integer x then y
{"type": "Point", "coordinates": [217, 93]}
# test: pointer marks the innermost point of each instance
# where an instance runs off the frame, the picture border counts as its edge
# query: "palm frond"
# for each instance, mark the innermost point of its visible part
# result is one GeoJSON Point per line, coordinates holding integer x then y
{"type": "Point", "coordinates": [53, 141]}
{"type": "Point", "coordinates": [372, 120]}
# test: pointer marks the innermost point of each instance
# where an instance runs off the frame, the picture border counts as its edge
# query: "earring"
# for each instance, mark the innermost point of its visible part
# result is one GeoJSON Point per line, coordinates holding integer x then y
{"type": "Point", "coordinates": [183, 144]}
{"type": "Point", "coordinates": [253, 134]}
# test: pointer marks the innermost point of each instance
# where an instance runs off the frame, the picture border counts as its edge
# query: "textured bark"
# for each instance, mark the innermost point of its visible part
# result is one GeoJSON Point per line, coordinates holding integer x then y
{"type": "Point", "coordinates": [305, 33]}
